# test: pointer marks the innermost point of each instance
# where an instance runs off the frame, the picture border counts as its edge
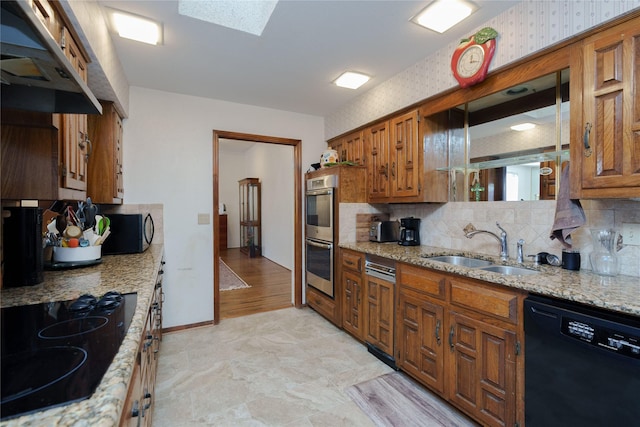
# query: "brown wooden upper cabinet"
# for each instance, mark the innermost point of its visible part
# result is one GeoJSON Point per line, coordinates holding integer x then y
{"type": "Point", "coordinates": [350, 148]}
{"type": "Point", "coordinates": [405, 156]}
{"type": "Point", "coordinates": [605, 115]}
{"type": "Point", "coordinates": [376, 143]}
{"type": "Point", "coordinates": [105, 183]}
{"type": "Point", "coordinates": [45, 156]}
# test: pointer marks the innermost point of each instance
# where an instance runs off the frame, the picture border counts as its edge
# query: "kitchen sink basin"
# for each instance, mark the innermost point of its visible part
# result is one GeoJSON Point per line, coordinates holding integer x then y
{"type": "Point", "coordinates": [461, 260]}
{"type": "Point", "coordinates": [509, 270]}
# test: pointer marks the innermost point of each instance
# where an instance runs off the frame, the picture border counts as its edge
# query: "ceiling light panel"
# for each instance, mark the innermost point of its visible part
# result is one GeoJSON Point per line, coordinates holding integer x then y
{"type": "Point", "coordinates": [136, 28]}
{"type": "Point", "coordinates": [441, 15]}
{"type": "Point", "coordinates": [523, 126]}
{"type": "Point", "coordinates": [248, 16]}
{"type": "Point", "coordinates": [351, 80]}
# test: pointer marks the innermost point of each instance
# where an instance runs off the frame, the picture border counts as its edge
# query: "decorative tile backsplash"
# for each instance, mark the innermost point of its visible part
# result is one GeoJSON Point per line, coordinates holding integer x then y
{"type": "Point", "coordinates": [442, 225]}
{"type": "Point", "coordinates": [526, 28]}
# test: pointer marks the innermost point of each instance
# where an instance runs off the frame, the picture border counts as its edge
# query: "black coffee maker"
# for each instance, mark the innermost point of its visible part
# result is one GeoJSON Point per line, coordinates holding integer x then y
{"type": "Point", "coordinates": [409, 231]}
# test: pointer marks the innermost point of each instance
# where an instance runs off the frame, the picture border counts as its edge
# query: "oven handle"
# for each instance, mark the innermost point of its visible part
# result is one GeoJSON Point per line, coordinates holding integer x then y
{"type": "Point", "coordinates": [319, 245]}
{"type": "Point", "coordinates": [319, 192]}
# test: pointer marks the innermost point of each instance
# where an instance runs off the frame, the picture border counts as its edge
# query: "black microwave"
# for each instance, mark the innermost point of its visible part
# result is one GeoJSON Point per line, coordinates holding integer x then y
{"type": "Point", "coordinates": [130, 234]}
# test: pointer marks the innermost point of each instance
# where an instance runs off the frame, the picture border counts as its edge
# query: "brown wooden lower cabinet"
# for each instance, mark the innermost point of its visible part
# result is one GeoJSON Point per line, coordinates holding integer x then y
{"type": "Point", "coordinates": [138, 407]}
{"type": "Point", "coordinates": [324, 305]}
{"type": "Point", "coordinates": [368, 303]}
{"type": "Point", "coordinates": [352, 316]}
{"type": "Point", "coordinates": [462, 338]}
{"type": "Point", "coordinates": [379, 313]}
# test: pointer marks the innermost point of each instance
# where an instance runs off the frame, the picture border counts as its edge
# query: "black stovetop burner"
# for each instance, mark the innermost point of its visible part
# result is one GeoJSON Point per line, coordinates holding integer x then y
{"type": "Point", "coordinates": [57, 353]}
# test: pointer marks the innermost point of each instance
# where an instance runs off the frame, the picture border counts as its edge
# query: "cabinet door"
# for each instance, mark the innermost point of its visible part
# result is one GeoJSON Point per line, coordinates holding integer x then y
{"type": "Point", "coordinates": [75, 142]}
{"type": "Point", "coordinates": [379, 313]}
{"type": "Point", "coordinates": [352, 316]}
{"type": "Point", "coordinates": [104, 183]}
{"type": "Point", "coordinates": [405, 155]}
{"type": "Point", "coordinates": [420, 339]}
{"type": "Point", "coordinates": [340, 147]}
{"type": "Point", "coordinates": [377, 144]}
{"type": "Point", "coordinates": [482, 378]}
{"type": "Point", "coordinates": [611, 112]}
{"type": "Point", "coordinates": [354, 148]}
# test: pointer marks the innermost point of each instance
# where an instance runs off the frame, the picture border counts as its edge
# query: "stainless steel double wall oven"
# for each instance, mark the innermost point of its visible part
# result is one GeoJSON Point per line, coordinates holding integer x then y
{"type": "Point", "coordinates": [320, 232]}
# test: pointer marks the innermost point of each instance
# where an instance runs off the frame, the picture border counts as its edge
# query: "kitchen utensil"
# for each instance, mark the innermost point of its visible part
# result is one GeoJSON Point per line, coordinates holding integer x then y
{"type": "Point", "coordinates": [72, 217]}
{"type": "Point", "coordinates": [80, 215]}
{"type": "Point", "coordinates": [61, 224]}
{"type": "Point", "coordinates": [102, 222]}
{"type": "Point", "coordinates": [73, 232]}
{"type": "Point", "coordinates": [90, 213]}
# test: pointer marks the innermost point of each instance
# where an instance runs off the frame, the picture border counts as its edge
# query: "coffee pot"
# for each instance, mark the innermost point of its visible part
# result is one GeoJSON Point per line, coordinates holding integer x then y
{"type": "Point", "coordinates": [409, 231]}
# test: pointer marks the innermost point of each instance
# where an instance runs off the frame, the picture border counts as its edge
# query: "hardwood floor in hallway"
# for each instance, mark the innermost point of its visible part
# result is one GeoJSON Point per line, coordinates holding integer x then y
{"type": "Point", "coordinates": [270, 283]}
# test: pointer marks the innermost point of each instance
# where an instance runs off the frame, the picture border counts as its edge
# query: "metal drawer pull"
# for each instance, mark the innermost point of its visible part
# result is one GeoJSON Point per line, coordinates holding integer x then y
{"type": "Point", "coordinates": [438, 331]}
{"type": "Point", "coordinates": [587, 134]}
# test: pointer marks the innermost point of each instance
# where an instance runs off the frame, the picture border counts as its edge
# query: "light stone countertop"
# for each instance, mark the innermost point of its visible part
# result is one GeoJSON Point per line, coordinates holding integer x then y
{"type": "Point", "coordinates": [122, 273]}
{"type": "Point", "coordinates": [619, 293]}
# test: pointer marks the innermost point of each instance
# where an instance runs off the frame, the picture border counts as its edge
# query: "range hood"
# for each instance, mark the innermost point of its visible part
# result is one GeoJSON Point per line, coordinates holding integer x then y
{"type": "Point", "coordinates": [36, 74]}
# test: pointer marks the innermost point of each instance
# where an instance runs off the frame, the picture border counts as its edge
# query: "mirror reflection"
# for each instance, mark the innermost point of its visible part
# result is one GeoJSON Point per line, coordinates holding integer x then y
{"type": "Point", "coordinates": [514, 142]}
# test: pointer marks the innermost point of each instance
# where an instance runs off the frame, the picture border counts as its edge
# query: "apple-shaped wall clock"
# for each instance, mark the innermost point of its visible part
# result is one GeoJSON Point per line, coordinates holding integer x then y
{"type": "Point", "coordinates": [470, 60]}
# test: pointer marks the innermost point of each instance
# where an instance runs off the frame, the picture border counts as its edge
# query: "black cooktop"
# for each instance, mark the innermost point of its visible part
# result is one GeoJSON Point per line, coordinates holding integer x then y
{"type": "Point", "coordinates": [57, 353]}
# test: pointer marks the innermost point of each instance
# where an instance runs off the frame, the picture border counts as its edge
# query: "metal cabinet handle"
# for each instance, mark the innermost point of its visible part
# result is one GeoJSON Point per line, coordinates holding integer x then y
{"type": "Point", "coordinates": [587, 134]}
{"type": "Point", "coordinates": [393, 169]}
{"type": "Point", "coordinates": [438, 331]}
{"type": "Point", "coordinates": [147, 395]}
{"type": "Point", "coordinates": [451, 332]}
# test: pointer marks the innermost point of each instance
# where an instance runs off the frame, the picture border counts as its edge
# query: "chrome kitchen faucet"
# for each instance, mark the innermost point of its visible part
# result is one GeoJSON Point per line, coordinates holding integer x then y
{"type": "Point", "coordinates": [470, 231]}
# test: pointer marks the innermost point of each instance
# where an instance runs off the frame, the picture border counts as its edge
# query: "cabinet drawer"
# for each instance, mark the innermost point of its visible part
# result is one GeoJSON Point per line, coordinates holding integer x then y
{"type": "Point", "coordinates": [325, 306]}
{"type": "Point", "coordinates": [485, 299]}
{"type": "Point", "coordinates": [422, 280]}
{"type": "Point", "coordinates": [352, 261]}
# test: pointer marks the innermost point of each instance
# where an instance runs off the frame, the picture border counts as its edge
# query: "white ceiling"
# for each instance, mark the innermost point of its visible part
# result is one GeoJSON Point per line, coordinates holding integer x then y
{"type": "Point", "coordinates": [305, 46]}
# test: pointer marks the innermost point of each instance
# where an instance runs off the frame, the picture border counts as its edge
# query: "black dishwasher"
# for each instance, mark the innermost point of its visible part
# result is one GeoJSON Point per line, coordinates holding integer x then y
{"type": "Point", "coordinates": [582, 365]}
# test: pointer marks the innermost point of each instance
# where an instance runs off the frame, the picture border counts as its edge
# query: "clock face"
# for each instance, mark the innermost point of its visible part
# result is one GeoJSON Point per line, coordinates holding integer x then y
{"type": "Point", "coordinates": [470, 62]}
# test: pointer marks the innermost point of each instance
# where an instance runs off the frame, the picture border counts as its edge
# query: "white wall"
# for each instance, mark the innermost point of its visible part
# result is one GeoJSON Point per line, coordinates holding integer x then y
{"type": "Point", "coordinates": [232, 169]}
{"type": "Point", "coordinates": [168, 160]}
{"type": "Point", "coordinates": [273, 165]}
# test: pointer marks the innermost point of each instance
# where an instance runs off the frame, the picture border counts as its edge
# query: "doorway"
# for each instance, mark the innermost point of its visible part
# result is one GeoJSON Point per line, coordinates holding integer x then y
{"type": "Point", "coordinates": [297, 234]}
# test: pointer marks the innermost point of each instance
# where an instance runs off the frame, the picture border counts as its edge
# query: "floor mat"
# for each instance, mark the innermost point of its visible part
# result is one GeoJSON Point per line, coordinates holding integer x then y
{"type": "Point", "coordinates": [396, 400]}
{"type": "Point", "coordinates": [230, 280]}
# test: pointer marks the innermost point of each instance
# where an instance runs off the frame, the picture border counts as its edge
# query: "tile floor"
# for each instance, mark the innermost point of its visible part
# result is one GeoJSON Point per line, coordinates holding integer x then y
{"type": "Point", "coordinates": [281, 368]}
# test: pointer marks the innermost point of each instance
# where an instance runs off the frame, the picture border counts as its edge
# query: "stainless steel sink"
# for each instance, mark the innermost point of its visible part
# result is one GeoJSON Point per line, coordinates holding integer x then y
{"type": "Point", "coordinates": [509, 270]}
{"type": "Point", "coordinates": [460, 260]}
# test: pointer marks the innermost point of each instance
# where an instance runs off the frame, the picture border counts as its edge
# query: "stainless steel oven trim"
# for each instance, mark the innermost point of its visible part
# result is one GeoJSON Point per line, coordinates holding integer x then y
{"type": "Point", "coordinates": [327, 181]}
{"type": "Point", "coordinates": [324, 286]}
{"type": "Point", "coordinates": [381, 272]}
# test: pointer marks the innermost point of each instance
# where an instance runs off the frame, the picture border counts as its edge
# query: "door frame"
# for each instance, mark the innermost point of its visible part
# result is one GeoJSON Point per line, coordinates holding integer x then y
{"type": "Point", "coordinates": [297, 188]}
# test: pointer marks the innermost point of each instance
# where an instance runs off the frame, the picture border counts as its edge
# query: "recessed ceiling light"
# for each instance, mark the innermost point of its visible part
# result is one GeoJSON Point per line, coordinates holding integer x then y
{"type": "Point", "coordinates": [523, 126]}
{"type": "Point", "coordinates": [351, 80]}
{"type": "Point", "coordinates": [136, 28]}
{"type": "Point", "coordinates": [443, 14]}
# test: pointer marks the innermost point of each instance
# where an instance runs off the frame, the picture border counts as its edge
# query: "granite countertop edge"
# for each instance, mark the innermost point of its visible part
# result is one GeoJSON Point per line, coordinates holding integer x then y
{"type": "Point", "coordinates": [620, 293]}
{"type": "Point", "coordinates": [122, 273]}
